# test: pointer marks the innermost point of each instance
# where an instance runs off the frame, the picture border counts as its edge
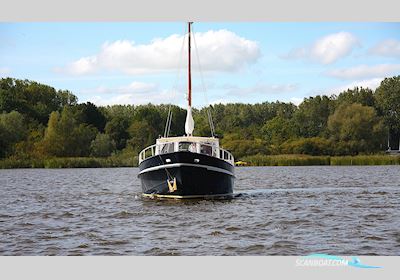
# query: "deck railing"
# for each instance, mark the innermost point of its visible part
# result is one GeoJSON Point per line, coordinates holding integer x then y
{"type": "Point", "coordinates": [227, 156]}
{"type": "Point", "coordinates": [150, 151]}
{"type": "Point", "coordinates": [156, 149]}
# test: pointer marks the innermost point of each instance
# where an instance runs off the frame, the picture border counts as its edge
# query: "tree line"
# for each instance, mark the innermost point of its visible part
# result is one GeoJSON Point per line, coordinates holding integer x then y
{"type": "Point", "coordinates": [38, 121]}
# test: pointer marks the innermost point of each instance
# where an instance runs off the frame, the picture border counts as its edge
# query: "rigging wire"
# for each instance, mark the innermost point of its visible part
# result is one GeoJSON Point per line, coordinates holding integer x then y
{"type": "Point", "coordinates": [169, 117]}
{"type": "Point", "coordinates": [174, 90]}
{"type": "Point", "coordinates": [209, 115]}
{"type": "Point", "coordinates": [167, 123]}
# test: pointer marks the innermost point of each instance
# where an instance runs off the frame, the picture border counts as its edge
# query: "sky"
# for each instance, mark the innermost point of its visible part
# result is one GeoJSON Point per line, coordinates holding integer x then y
{"type": "Point", "coordinates": [250, 62]}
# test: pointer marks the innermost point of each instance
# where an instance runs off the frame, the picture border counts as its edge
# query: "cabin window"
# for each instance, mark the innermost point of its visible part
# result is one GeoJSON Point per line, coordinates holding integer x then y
{"type": "Point", "coordinates": [226, 155]}
{"type": "Point", "coordinates": [167, 148]}
{"type": "Point", "coordinates": [187, 146]}
{"type": "Point", "coordinates": [206, 149]}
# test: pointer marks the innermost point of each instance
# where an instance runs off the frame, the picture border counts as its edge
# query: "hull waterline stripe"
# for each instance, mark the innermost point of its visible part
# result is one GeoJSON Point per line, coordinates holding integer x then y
{"type": "Point", "coordinates": [171, 196]}
{"type": "Point", "coordinates": [172, 165]}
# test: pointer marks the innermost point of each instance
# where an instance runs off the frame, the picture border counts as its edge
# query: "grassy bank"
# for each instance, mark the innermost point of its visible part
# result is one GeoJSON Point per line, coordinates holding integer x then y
{"type": "Point", "coordinates": [286, 160]}
{"type": "Point", "coordinates": [303, 160]}
{"type": "Point", "coordinates": [76, 162]}
{"type": "Point", "coordinates": [256, 160]}
{"type": "Point", "coordinates": [366, 160]}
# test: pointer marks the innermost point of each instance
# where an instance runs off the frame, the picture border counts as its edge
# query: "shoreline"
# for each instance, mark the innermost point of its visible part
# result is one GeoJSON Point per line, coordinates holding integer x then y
{"type": "Point", "coordinates": [255, 160]}
{"type": "Point", "coordinates": [307, 160]}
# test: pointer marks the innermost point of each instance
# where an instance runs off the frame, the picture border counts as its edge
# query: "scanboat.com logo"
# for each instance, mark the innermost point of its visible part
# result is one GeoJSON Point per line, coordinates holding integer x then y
{"type": "Point", "coordinates": [329, 260]}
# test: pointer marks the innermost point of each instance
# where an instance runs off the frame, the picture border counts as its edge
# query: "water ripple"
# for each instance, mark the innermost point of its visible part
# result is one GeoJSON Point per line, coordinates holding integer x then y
{"type": "Point", "coordinates": [275, 211]}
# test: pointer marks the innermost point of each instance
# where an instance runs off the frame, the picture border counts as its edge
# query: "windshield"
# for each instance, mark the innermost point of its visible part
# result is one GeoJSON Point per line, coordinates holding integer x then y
{"type": "Point", "coordinates": [187, 146]}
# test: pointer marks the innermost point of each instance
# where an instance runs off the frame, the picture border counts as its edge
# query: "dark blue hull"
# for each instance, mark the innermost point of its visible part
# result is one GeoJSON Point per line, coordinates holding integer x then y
{"type": "Point", "coordinates": [196, 175]}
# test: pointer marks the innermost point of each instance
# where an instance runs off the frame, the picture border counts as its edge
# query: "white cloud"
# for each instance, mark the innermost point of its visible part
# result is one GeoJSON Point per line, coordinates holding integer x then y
{"type": "Point", "coordinates": [368, 83]}
{"type": "Point", "coordinates": [365, 71]}
{"type": "Point", "coordinates": [134, 93]}
{"type": "Point", "coordinates": [4, 71]}
{"type": "Point", "coordinates": [132, 99]}
{"type": "Point", "coordinates": [326, 50]}
{"type": "Point", "coordinates": [220, 50]}
{"type": "Point", "coordinates": [161, 97]}
{"type": "Point", "coordinates": [390, 48]}
{"type": "Point", "coordinates": [134, 87]}
{"type": "Point", "coordinates": [260, 88]}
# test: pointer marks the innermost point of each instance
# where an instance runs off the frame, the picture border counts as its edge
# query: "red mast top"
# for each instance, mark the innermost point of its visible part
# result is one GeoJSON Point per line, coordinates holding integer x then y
{"type": "Point", "coordinates": [189, 70]}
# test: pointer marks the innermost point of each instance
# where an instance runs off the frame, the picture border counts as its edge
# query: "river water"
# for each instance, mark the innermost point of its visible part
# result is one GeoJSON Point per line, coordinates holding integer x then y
{"type": "Point", "coordinates": [276, 211]}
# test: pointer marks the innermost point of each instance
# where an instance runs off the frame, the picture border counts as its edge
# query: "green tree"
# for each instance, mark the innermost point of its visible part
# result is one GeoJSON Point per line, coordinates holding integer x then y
{"type": "Point", "coordinates": [65, 136]}
{"type": "Point", "coordinates": [146, 126]}
{"type": "Point", "coordinates": [358, 128]}
{"type": "Point", "coordinates": [312, 116]}
{"type": "Point", "coordinates": [241, 148]}
{"type": "Point", "coordinates": [309, 146]}
{"type": "Point", "coordinates": [388, 102]}
{"type": "Point", "coordinates": [102, 146]}
{"type": "Point", "coordinates": [141, 135]}
{"type": "Point", "coordinates": [125, 112]}
{"type": "Point", "coordinates": [278, 130]}
{"type": "Point", "coordinates": [12, 130]}
{"type": "Point", "coordinates": [34, 100]}
{"type": "Point", "coordinates": [81, 139]}
{"type": "Point", "coordinates": [178, 121]}
{"type": "Point", "coordinates": [26, 149]}
{"type": "Point", "coordinates": [7, 101]}
{"type": "Point", "coordinates": [363, 96]}
{"type": "Point", "coordinates": [116, 128]}
{"type": "Point", "coordinates": [52, 143]}
{"type": "Point", "coordinates": [89, 113]}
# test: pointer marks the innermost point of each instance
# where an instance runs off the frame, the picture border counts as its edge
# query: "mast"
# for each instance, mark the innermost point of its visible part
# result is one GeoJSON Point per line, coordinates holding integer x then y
{"type": "Point", "coordinates": [189, 68]}
{"type": "Point", "coordinates": [189, 124]}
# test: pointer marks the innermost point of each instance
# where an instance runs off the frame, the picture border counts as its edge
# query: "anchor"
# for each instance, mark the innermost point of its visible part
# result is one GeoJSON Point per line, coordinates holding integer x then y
{"type": "Point", "coordinates": [172, 185]}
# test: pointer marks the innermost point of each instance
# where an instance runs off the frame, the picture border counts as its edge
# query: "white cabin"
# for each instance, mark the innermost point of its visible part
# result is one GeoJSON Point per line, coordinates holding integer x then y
{"type": "Point", "coordinates": [201, 145]}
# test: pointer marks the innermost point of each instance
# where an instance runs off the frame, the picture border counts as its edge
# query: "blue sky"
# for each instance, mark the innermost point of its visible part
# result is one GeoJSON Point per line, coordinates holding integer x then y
{"type": "Point", "coordinates": [136, 63]}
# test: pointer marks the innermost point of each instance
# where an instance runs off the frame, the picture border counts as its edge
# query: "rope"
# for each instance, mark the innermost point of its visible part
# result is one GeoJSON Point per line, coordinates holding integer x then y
{"type": "Point", "coordinates": [169, 117]}
{"type": "Point", "coordinates": [210, 121]}
{"type": "Point", "coordinates": [166, 124]}
{"type": "Point", "coordinates": [169, 176]}
{"type": "Point", "coordinates": [169, 126]}
{"type": "Point", "coordinates": [175, 86]}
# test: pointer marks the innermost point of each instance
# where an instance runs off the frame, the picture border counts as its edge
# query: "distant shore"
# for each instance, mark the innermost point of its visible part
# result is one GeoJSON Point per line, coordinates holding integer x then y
{"type": "Point", "coordinates": [256, 160]}
{"type": "Point", "coordinates": [72, 162]}
{"type": "Point", "coordinates": [304, 160]}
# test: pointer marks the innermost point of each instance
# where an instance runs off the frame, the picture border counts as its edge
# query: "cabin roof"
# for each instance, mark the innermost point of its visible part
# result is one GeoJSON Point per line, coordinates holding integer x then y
{"type": "Point", "coordinates": [187, 138]}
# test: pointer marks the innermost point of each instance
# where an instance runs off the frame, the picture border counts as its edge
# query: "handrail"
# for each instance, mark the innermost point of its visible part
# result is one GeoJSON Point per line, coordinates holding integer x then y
{"type": "Point", "coordinates": [229, 158]}
{"type": "Point", "coordinates": [219, 153]}
{"type": "Point", "coordinates": [142, 154]}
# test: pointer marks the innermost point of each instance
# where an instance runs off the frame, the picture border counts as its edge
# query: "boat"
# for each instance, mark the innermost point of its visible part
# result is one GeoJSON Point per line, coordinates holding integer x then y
{"type": "Point", "coordinates": [241, 163]}
{"type": "Point", "coordinates": [187, 166]}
